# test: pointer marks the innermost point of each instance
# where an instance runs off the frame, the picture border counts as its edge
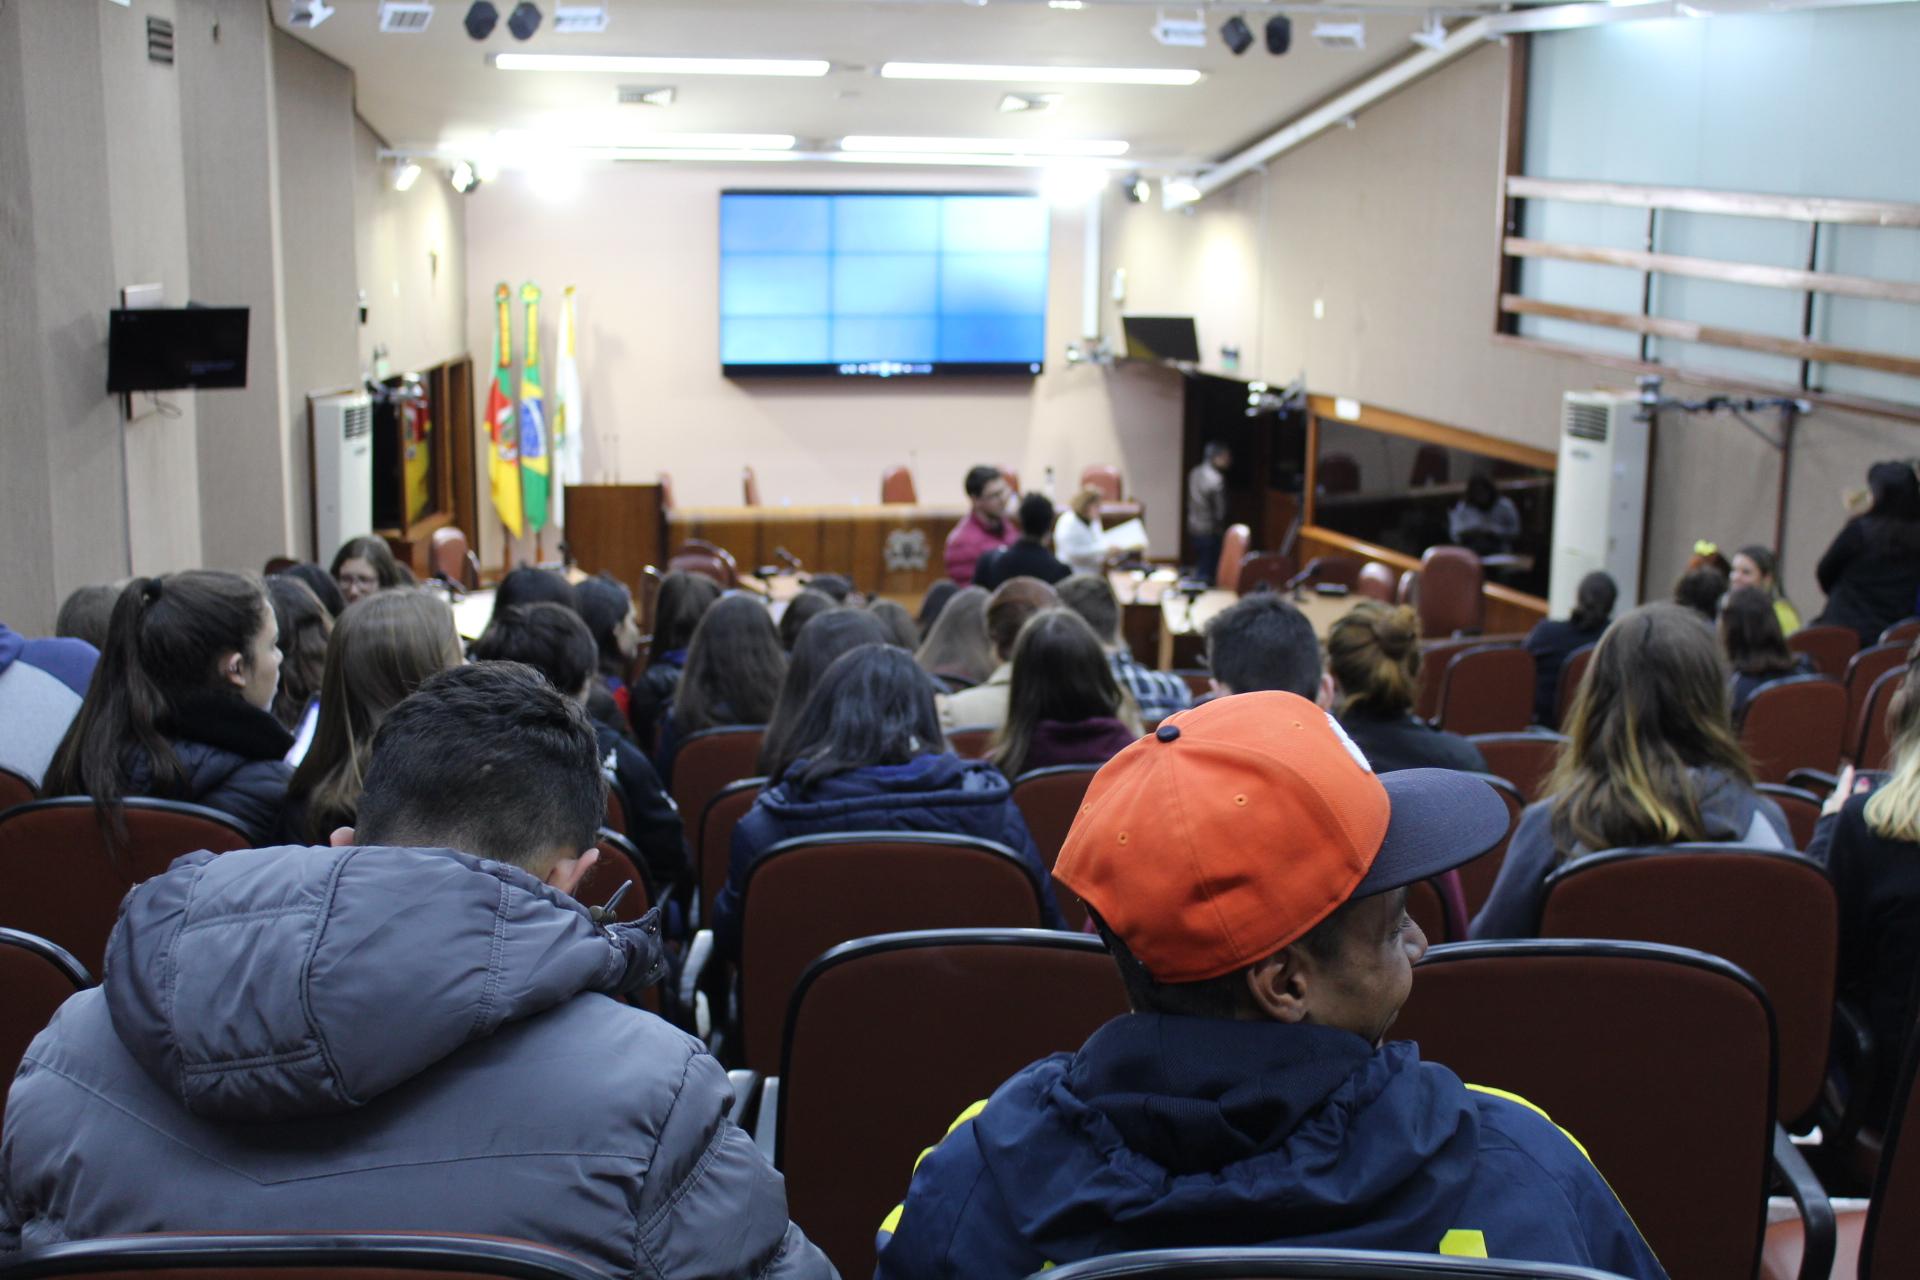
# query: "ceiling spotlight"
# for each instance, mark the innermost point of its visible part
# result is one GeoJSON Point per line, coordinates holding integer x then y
{"type": "Point", "coordinates": [1137, 189]}
{"type": "Point", "coordinates": [524, 20]}
{"type": "Point", "coordinates": [578, 19]}
{"type": "Point", "coordinates": [1237, 34]}
{"type": "Point", "coordinates": [463, 178]}
{"type": "Point", "coordinates": [1178, 193]}
{"type": "Point", "coordinates": [481, 17]}
{"type": "Point", "coordinates": [1029, 102]}
{"type": "Point", "coordinates": [405, 17]}
{"type": "Point", "coordinates": [486, 169]}
{"type": "Point", "coordinates": [1341, 35]}
{"type": "Point", "coordinates": [1279, 34]}
{"type": "Point", "coordinates": [308, 13]}
{"type": "Point", "coordinates": [1433, 35]}
{"type": "Point", "coordinates": [639, 95]}
{"type": "Point", "coordinates": [405, 174]}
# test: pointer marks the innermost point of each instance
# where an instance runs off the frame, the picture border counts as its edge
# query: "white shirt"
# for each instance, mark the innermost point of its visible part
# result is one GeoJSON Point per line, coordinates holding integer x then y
{"type": "Point", "coordinates": [1078, 542]}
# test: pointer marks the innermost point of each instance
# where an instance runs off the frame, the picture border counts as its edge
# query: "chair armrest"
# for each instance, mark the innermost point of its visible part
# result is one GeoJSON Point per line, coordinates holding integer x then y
{"type": "Point", "coordinates": [1810, 1198]}
{"type": "Point", "coordinates": [746, 1085]}
{"type": "Point", "coordinates": [766, 1124]}
{"type": "Point", "coordinates": [694, 967]}
{"type": "Point", "coordinates": [1818, 781]}
{"type": "Point", "coordinates": [1853, 1051]}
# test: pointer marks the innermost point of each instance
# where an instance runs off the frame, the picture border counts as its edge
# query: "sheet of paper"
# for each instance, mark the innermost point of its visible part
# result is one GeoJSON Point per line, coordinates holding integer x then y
{"type": "Point", "coordinates": [1130, 536]}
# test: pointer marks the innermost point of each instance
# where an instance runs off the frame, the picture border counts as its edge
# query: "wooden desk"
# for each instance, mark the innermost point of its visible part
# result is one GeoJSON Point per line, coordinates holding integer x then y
{"type": "Point", "coordinates": [893, 549]}
{"type": "Point", "coordinates": [615, 528]}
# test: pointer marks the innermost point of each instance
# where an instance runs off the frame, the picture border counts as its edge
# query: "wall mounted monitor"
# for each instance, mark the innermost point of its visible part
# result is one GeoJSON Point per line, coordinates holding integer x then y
{"type": "Point", "coordinates": [173, 348]}
{"type": "Point", "coordinates": [882, 284]}
{"type": "Point", "coordinates": [1171, 338]}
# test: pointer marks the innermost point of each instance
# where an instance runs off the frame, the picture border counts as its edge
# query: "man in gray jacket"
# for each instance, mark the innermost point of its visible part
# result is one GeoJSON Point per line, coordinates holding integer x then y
{"type": "Point", "coordinates": [388, 1035]}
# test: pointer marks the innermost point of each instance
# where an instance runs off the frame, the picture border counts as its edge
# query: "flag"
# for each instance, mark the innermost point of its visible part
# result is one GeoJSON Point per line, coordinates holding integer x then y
{"type": "Point", "coordinates": [535, 465]}
{"type": "Point", "coordinates": [568, 429]}
{"type": "Point", "coordinates": [503, 453]}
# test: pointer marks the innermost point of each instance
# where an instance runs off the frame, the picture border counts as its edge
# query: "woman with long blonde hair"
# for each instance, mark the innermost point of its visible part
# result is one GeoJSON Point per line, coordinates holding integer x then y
{"type": "Point", "coordinates": [1651, 759]}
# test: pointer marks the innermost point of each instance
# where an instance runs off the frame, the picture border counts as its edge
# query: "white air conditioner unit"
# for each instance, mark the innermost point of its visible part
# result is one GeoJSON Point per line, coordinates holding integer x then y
{"type": "Point", "coordinates": [342, 427]}
{"type": "Point", "coordinates": [1599, 494]}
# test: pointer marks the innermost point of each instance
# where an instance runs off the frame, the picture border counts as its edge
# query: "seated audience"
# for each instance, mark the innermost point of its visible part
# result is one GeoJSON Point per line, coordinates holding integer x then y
{"type": "Point", "coordinates": [1252, 1097]}
{"type": "Point", "coordinates": [894, 617]}
{"type": "Point", "coordinates": [451, 1063]}
{"type": "Point", "coordinates": [1756, 566]}
{"type": "Point", "coordinates": [1157, 693]}
{"type": "Point", "coordinates": [1706, 555]}
{"type": "Point", "coordinates": [683, 600]}
{"type": "Point", "coordinates": [553, 640]}
{"type": "Point", "coordinates": [1871, 571]}
{"type": "Point", "coordinates": [734, 668]}
{"type": "Point", "coordinates": [1028, 557]}
{"type": "Point", "coordinates": [1551, 642]}
{"type": "Point", "coordinates": [868, 755]}
{"type": "Point", "coordinates": [1077, 533]}
{"type": "Point", "coordinates": [1757, 652]}
{"type": "Point", "coordinates": [84, 614]}
{"type": "Point", "coordinates": [1264, 643]}
{"type": "Point", "coordinates": [527, 585]}
{"type": "Point", "coordinates": [1373, 654]}
{"type": "Point", "coordinates": [1651, 760]}
{"type": "Point", "coordinates": [802, 609]}
{"type": "Point", "coordinates": [606, 606]}
{"type": "Point", "coordinates": [821, 641]}
{"type": "Point", "coordinates": [382, 649]}
{"type": "Point", "coordinates": [988, 525]}
{"type": "Point", "coordinates": [1870, 844]}
{"type": "Point", "coordinates": [837, 587]}
{"type": "Point", "coordinates": [178, 705]}
{"type": "Point", "coordinates": [304, 626]}
{"type": "Point", "coordinates": [1700, 591]}
{"type": "Point", "coordinates": [1484, 521]}
{"type": "Point", "coordinates": [958, 652]}
{"type": "Point", "coordinates": [365, 565]}
{"type": "Point", "coordinates": [1008, 608]}
{"type": "Point", "coordinates": [1063, 704]}
{"type": "Point", "coordinates": [321, 583]}
{"type": "Point", "coordinates": [932, 603]}
{"type": "Point", "coordinates": [42, 684]}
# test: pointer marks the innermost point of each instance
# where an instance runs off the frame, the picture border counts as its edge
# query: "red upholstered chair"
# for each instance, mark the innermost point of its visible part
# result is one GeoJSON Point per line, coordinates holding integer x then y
{"type": "Point", "coordinates": [1343, 571]}
{"type": "Point", "coordinates": [1524, 759]}
{"type": "Point", "coordinates": [36, 977]}
{"type": "Point", "coordinates": [1800, 806]}
{"type": "Point", "coordinates": [715, 846]}
{"type": "Point", "coordinates": [315, 1256]}
{"type": "Point", "coordinates": [14, 790]}
{"type": "Point", "coordinates": [1487, 689]}
{"type": "Point", "coordinates": [1831, 648]}
{"type": "Point", "coordinates": [1799, 722]}
{"type": "Point", "coordinates": [1873, 749]}
{"type": "Point", "coordinates": [1572, 672]}
{"type": "Point", "coordinates": [1450, 592]}
{"type": "Point", "coordinates": [1338, 473]}
{"type": "Point", "coordinates": [1408, 591]}
{"type": "Point", "coordinates": [1104, 478]}
{"type": "Point", "coordinates": [1049, 800]}
{"type": "Point", "coordinates": [1378, 582]}
{"type": "Point", "coordinates": [616, 816]}
{"type": "Point", "coordinates": [707, 762]}
{"type": "Point", "coordinates": [453, 560]}
{"type": "Point", "coordinates": [956, 1011]}
{"type": "Point", "coordinates": [1477, 876]}
{"type": "Point", "coordinates": [809, 895]}
{"type": "Point", "coordinates": [666, 491]}
{"type": "Point", "coordinates": [706, 559]}
{"type": "Point", "coordinates": [278, 564]}
{"type": "Point", "coordinates": [749, 487]}
{"type": "Point", "coordinates": [1906, 631]}
{"type": "Point", "coordinates": [1432, 464]}
{"type": "Point", "coordinates": [1269, 569]}
{"type": "Point", "coordinates": [618, 864]}
{"type": "Point", "coordinates": [896, 485]}
{"type": "Point", "coordinates": [1434, 657]}
{"type": "Point", "coordinates": [1012, 478]}
{"type": "Point", "coordinates": [1893, 1225]}
{"type": "Point", "coordinates": [1863, 669]}
{"type": "Point", "coordinates": [972, 742]}
{"type": "Point", "coordinates": [1233, 548]}
{"type": "Point", "coordinates": [64, 878]}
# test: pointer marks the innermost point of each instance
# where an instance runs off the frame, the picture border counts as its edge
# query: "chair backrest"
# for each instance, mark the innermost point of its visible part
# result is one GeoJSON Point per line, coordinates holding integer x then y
{"type": "Point", "coordinates": [1408, 590]}
{"type": "Point", "coordinates": [1524, 759]}
{"type": "Point", "coordinates": [1831, 648]}
{"type": "Point", "coordinates": [749, 487]}
{"type": "Point", "coordinates": [896, 485]}
{"type": "Point", "coordinates": [715, 845]}
{"type": "Point", "coordinates": [1477, 876]}
{"type": "Point", "coordinates": [1798, 722]}
{"type": "Point", "coordinates": [955, 1013]}
{"type": "Point", "coordinates": [805, 896]}
{"type": "Point", "coordinates": [616, 816]}
{"type": "Point", "coordinates": [1863, 669]}
{"type": "Point", "coordinates": [1905, 631]}
{"type": "Point", "coordinates": [1341, 571]}
{"type": "Point", "coordinates": [1488, 689]}
{"type": "Point", "coordinates": [1265, 569]}
{"type": "Point", "coordinates": [972, 742]}
{"type": "Point", "coordinates": [1233, 548]}
{"type": "Point", "coordinates": [1432, 464]}
{"type": "Point", "coordinates": [1049, 799]}
{"type": "Point", "coordinates": [1892, 1238]}
{"type": "Point", "coordinates": [453, 559]}
{"type": "Point", "coordinates": [1657, 1059]}
{"type": "Point", "coordinates": [1450, 585]}
{"type": "Point", "coordinates": [319, 1256]}
{"type": "Point", "coordinates": [1378, 582]}
{"type": "Point", "coordinates": [1774, 914]}
{"type": "Point", "coordinates": [1012, 478]}
{"type": "Point", "coordinates": [36, 977]}
{"type": "Point", "coordinates": [1104, 478]}
{"type": "Point", "coordinates": [1572, 672]}
{"type": "Point", "coordinates": [1434, 657]}
{"type": "Point", "coordinates": [1873, 748]}
{"type": "Point", "coordinates": [1800, 807]}
{"type": "Point", "coordinates": [666, 491]}
{"type": "Point", "coordinates": [706, 762]}
{"type": "Point", "coordinates": [277, 564]}
{"type": "Point", "coordinates": [704, 563]}
{"type": "Point", "coordinates": [1338, 473]}
{"type": "Point", "coordinates": [64, 879]}
{"type": "Point", "coordinates": [15, 789]}
{"type": "Point", "coordinates": [619, 863]}
{"type": "Point", "coordinates": [1231, 1263]}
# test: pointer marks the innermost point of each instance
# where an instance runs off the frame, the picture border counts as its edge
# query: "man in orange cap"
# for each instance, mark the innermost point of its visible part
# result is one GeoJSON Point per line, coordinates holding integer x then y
{"type": "Point", "coordinates": [1249, 872]}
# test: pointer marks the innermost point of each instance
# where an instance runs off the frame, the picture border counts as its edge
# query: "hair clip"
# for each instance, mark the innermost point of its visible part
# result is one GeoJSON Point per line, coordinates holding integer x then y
{"type": "Point", "coordinates": [1705, 548]}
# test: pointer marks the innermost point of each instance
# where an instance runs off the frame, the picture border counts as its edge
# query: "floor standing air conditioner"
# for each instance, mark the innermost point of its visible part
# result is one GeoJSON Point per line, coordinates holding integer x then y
{"type": "Point", "coordinates": [1600, 494]}
{"type": "Point", "coordinates": [342, 425]}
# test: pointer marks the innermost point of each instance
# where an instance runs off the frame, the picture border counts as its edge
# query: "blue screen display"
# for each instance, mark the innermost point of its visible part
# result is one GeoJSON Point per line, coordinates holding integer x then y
{"type": "Point", "coordinates": [882, 285]}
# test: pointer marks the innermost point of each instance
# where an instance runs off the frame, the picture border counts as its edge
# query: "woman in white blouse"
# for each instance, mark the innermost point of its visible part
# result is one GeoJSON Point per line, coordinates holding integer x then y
{"type": "Point", "coordinates": [1077, 535]}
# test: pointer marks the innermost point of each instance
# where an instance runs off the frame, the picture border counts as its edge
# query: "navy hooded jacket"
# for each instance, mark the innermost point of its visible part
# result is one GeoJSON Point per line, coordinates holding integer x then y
{"type": "Point", "coordinates": [1165, 1131]}
{"type": "Point", "coordinates": [934, 793]}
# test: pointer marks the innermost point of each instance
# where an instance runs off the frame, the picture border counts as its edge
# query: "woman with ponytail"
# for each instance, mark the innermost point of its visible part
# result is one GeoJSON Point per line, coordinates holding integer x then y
{"type": "Point", "coordinates": [178, 704]}
{"type": "Point", "coordinates": [1373, 654]}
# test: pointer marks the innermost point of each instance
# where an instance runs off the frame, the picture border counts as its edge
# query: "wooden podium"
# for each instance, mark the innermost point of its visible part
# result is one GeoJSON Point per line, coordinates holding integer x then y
{"type": "Point", "coordinates": [616, 528]}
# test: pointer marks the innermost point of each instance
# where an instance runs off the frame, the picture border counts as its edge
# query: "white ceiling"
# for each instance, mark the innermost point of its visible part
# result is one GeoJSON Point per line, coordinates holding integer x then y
{"type": "Point", "coordinates": [437, 89]}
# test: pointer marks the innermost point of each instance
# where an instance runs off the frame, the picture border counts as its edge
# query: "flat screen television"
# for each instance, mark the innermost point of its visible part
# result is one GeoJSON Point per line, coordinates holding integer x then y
{"type": "Point", "coordinates": [882, 284]}
{"type": "Point", "coordinates": [1161, 338]}
{"type": "Point", "coordinates": [172, 348]}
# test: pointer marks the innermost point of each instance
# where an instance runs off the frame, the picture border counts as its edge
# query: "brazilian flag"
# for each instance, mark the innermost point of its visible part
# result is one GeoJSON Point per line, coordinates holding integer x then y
{"type": "Point", "coordinates": [535, 463]}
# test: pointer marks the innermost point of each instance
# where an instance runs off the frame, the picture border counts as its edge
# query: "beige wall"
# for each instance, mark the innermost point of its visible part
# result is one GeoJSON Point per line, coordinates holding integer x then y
{"type": "Point", "coordinates": [642, 242]}
{"type": "Point", "coordinates": [411, 262]}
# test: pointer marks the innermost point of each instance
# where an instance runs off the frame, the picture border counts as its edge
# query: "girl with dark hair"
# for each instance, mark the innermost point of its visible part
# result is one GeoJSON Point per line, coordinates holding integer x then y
{"type": "Point", "coordinates": [802, 609]}
{"type": "Point", "coordinates": [606, 606]}
{"type": "Point", "coordinates": [1871, 572]}
{"type": "Point", "coordinates": [1757, 652]}
{"type": "Point", "coordinates": [528, 585]}
{"type": "Point", "coordinates": [1701, 590]}
{"type": "Point", "coordinates": [822, 640]}
{"type": "Point", "coordinates": [1651, 759]}
{"type": "Point", "coordinates": [381, 650]}
{"type": "Point", "coordinates": [1373, 654]}
{"type": "Point", "coordinates": [734, 668]}
{"type": "Point", "coordinates": [898, 622]}
{"type": "Point", "coordinates": [958, 651]}
{"type": "Point", "coordinates": [1552, 641]}
{"type": "Point", "coordinates": [178, 704]}
{"type": "Point", "coordinates": [932, 603]}
{"type": "Point", "coordinates": [1756, 566]}
{"type": "Point", "coordinates": [304, 625]}
{"type": "Point", "coordinates": [365, 565]}
{"type": "Point", "coordinates": [868, 755]}
{"type": "Point", "coordinates": [1064, 706]}
{"type": "Point", "coordinates": [683, 600]}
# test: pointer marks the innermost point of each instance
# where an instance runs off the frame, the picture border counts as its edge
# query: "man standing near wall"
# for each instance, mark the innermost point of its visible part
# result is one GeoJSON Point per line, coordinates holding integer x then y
{"type": "Point", "coordinates": [1207, 508]}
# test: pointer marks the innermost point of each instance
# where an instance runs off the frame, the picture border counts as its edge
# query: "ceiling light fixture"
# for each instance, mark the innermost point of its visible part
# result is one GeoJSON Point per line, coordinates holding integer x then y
{"type": "Point", "coordinates": [481, 18]}
{"type": "Point", "coordinates": [1067, 4]}
{"type": "Point", "coordinates": [405, 174]}
{"type": "Point", "coordinates": [1279, 34]}
{"type": "Point", "coordinates": [661, 66]}
{"type": "Point", "coordinates": [1165, 76]}
{"type": "Point", "coordinates": [1177, 193]}
{"type": "Point", "coordinates": [524, 20]}
{"type": "Point", "coordinates": [308, 13]}
{"type": "Point", "coordinates": [1137, 189]}
{"type": "Point", "coordinates": [1186, 33]}
{"type": "Point", "coordinates": [635, 95]}
{"type": "Point", "coordinates": [1431, 36]}
{"type": "Point", "coordinates": [1236, 34]}
{"type": "Point", "coordinates": [463, 178]}
{"type": "Point", "coordinates": [1341, 35]}
{"type": "Point", "coordinates": [1029, 102]}
{"type": "Point", "coordinates": [579, 19]}
{"type": "Point", "coordinates": [987, 146]}
{"type": "Point", "coordinates": [405, 17]}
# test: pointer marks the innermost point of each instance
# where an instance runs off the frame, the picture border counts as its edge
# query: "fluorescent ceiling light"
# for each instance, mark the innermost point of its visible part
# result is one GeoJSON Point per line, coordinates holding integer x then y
{"type": "Point", "coordinates": [986, 146]}
{"type": "Point", "coordinates": [1175, 76]}
{"type": "Point", "coordinates": [661, 66]}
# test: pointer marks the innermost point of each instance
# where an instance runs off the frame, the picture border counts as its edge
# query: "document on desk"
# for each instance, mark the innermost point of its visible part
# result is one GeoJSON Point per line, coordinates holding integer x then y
{"type": "Point", "coordinates": [1128, 536]}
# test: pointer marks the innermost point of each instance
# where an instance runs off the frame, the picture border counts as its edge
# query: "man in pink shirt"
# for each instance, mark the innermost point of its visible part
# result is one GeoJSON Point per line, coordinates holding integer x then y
{"type": "Point", "coordinates": [986, 526]}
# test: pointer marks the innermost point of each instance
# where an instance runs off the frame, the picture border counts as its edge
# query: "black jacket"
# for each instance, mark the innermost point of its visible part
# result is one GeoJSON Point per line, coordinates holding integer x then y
{"type": "Point", "coordinates": [1871, 574]}
{"type": "Point", "coordinates": [233, 756]}
{"type": "Point", "coordinates": [1550, 642]}
{"type": "Point", "coordinates": [650, 694]}
{"type": "Point", "coordinates": [1024, 559]}
{"type": "Point", "coordinates": [1405, 742]}
{"type": "Point", "coordinates": [653, 824]}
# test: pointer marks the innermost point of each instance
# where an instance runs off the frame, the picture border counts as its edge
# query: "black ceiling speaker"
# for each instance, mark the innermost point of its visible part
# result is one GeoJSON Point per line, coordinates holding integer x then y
{"type": "Point", "coordinates": [524, 20]}
{"type": "Point", "coordinates": [1279, 34]}
{"type": "Point", "coordinates": [1237, 34]}
{"type": "Point", "coordinates": [480, 19]}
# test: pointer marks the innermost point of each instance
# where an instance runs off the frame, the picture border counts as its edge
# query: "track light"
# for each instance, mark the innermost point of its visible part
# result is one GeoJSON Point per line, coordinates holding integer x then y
{"type": "Point", "coordinates": [481, 17]}
{"type": "Point", "coordinates": [405, 174]}
{"type": "Point", "coordinates": [1237, 34]}
{"type": "Point", "coordinates": [1433, 35]}
{"type": "Point", "coordinates": [1177, 193]}
{"type": "Point", "coordinates": [1137, 189]}
{"type": "Point", "coordinates": [524, 20]}
{"type": "Point", "coordinates": [308, 13]}
{"type": "Point", "coordinates": [1279, 34]}
{"type": "Point", "coordinates": [463, 178]}
{"type": "Point", "coordinates": [1341, 35]}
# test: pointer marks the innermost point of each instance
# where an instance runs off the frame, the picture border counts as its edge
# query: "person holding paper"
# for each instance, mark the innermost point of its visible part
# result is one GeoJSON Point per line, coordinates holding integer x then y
{"type": "Point", "coordinates": [1077, 536]}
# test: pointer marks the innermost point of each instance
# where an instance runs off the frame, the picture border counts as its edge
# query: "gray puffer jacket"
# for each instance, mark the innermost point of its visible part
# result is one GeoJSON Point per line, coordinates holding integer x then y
{"type": "Point", "coordinates": [377, 1039]}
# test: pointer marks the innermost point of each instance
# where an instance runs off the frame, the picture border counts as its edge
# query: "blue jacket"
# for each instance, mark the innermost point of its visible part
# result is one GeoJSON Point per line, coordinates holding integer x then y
{"type": "Point", "coordinates": [41, 685]}
{"type": "Point", "coordinates": [938, 793]}
{"type": "Point", "coordinates": [1164, 1132]}
{"type": "Point", "coordinates": [372, 1039]}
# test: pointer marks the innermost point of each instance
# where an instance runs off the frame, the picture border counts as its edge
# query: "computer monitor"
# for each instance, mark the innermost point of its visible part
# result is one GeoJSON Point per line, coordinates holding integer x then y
{"type": "Point", "coordinates": [1170, 338]}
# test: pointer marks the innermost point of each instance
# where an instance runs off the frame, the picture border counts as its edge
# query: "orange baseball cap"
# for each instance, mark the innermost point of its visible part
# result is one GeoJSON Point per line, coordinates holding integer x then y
{"type": "Point", "coordinates": [1236, 827]}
